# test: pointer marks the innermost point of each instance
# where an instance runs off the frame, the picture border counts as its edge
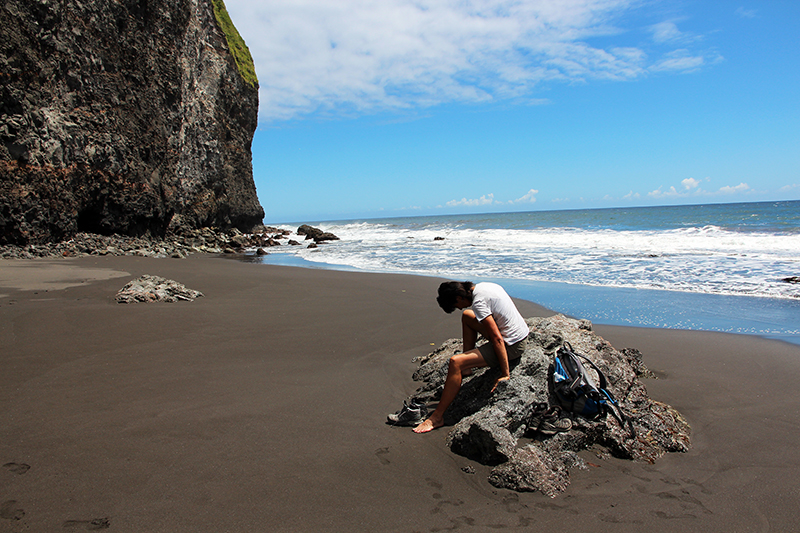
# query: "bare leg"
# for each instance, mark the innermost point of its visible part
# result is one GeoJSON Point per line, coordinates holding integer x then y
{"type": "Point", "coordinates": [470, 327]}
{"type": "Point", "coordinates": [458, 364]}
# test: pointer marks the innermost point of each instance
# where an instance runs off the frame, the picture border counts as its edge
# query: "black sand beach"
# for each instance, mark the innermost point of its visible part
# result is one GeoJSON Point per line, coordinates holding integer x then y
{"type": "Point", "coordinates": [261, 407]}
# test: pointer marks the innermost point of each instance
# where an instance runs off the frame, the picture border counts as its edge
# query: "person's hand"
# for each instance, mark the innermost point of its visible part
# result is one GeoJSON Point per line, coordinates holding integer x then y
{"type": "Point", "coordinates": [501, 378]}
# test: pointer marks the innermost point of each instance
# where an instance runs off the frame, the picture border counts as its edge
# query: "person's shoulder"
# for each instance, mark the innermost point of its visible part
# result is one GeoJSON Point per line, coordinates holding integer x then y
{"type": "Point", "coordinates": [489, 291]}
{"type": "Point", "coordinates": [488, 286]}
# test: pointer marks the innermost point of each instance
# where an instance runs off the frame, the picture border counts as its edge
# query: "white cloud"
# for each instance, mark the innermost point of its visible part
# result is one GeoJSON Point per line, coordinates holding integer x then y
{"type": "Point", "coordinates": [745, 13]}
{"type": "Point", "coordinates": [690, 183]}
{"type": "Point", "coordinates": [666, 31]}
{"type": "Point", "coordinates": [691, 188]}
{"type": "Point", "coordinates": [658, 193]}
{"type": "Point", "coordinates": [631, 195]}
{"type": "Point", "coordinates": [358, 56]}
{"type": "Point", "coordinates": [679, 60]}
{"type": "Point", "coordinates": [742, 187]}
{"type": "Point", "coordinates": [528, 197]}
{"type": "Point", "coordinates": [486, 199]}
{"type": "Point", "coordinates": [787, 188]}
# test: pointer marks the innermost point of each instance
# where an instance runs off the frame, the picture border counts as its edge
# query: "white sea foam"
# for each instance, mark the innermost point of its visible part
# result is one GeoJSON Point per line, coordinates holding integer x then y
{"type": "Point", "coordinates": [705, 259]}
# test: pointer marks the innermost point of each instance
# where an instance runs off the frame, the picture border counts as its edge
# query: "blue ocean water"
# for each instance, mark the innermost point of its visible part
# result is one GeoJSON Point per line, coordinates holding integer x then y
{"type": "Point", "coordinates": [713, 267]}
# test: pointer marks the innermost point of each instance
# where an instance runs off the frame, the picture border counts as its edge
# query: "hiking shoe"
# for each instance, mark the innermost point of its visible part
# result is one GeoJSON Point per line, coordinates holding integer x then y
{"type": "Point", "coordinates": [413, 403]}
{"type": "Point", "coordinates": [535, 418]}
{"type": "Point", "coordinates": [411, 414]}
{"type": "Point", "coordinates": [553, 422]}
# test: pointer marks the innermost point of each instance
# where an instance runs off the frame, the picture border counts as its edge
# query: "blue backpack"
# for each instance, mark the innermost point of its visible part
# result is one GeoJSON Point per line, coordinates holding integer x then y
{"type": "Point", "coordinates": [576, 390]}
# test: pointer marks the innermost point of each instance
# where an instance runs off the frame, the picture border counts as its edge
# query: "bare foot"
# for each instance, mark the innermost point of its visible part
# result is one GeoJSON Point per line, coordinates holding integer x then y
{"type": "Point", "coordinates": [428, 425]}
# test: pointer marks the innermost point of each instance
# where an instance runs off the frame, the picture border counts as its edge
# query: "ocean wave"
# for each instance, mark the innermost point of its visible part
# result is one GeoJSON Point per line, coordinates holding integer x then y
{"type": "Point", "coordinates": [703, 259]}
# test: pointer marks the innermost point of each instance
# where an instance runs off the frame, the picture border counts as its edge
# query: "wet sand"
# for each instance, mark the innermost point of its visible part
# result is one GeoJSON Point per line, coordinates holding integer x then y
{"type": "Point", "coordinates": [261, 407]}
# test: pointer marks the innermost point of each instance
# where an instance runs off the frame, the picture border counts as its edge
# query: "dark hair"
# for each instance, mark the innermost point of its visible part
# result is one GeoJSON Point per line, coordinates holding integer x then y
{"type": "Point", "coordinates": [450, 291]}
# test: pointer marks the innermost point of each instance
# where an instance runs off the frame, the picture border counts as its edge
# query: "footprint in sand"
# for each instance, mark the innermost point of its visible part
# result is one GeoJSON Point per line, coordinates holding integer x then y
{"type": "Point", "coordinates": [89, 525]}
{"type": "Point", "coordinates": [10, 511]}
{"type": "Point", "coordinates": [17, 468]}
{"type": "Point", "coordinates": [433, 483]}
{"type": "Point", "coordinates": [380, 452]}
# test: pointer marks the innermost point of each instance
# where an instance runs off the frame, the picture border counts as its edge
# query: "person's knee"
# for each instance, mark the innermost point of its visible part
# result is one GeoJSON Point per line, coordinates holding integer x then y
{"type": "Point", "coordinates": [456, 365]}
{"type": "Point", "coordinates": [468, 317]}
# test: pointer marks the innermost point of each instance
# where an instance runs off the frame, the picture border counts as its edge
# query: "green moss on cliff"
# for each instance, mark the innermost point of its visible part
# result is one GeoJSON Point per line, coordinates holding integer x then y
{"type": "Point", "coordinates": [244, 61]}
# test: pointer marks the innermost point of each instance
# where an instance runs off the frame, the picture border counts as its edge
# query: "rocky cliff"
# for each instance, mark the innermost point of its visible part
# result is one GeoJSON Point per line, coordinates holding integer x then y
{"type": "Point", "coordinates": [124, 116]}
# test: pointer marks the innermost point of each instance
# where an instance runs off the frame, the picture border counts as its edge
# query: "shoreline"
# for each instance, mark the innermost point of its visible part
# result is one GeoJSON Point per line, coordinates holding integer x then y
{"type": "Point", "coordinates": [261, 406]}
{"type": "Point", "coordinates": [53, 273]}
{"type": "Point", "coordinates": [623, 306]}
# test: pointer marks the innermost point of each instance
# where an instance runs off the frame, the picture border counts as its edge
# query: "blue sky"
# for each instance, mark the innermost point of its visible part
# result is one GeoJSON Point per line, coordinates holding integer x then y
{"type": "Point", "coordinates": [382, 108]}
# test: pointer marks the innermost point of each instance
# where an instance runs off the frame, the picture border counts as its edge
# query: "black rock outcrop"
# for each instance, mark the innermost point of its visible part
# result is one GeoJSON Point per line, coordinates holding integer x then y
{"type": "Point", "coordinates": [315, 233]}
{"type": "Point", "coordinates": [491, 427]}
{"type": "Point", "coordinates": [125, 116]}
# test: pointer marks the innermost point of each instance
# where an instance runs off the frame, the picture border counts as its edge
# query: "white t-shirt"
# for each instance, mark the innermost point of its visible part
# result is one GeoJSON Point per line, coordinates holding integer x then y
{"type": "Point", "coordinates": [492, 299]}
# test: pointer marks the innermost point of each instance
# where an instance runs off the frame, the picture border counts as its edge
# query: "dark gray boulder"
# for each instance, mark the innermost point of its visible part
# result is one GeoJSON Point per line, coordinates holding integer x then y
{"type": "Point", "coordinates": [149, 288]}
{"type": "Point", "coordinates": [491, 427]}
{"type": "Point", "coordinates": [316, 234]}
{"type": "Point", "coordinates": [533, 468]}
